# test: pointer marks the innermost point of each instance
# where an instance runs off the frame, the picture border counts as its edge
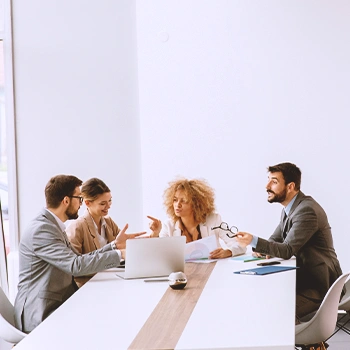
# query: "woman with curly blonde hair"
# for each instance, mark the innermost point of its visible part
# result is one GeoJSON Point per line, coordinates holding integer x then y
{"type": "Point", "coordinates": [190, 206]}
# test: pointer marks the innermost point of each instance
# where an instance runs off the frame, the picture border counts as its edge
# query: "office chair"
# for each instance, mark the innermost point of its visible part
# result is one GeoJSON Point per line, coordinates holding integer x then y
{"type": "Point", "coordinates": [8, 331]}
{"type": "Point", "coordinates": [319, 328]}
{"type": "Point", "coordinates": [344, 305]}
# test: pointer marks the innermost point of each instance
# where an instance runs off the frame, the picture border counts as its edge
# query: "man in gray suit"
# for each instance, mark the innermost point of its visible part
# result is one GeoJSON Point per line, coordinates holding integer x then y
{"type": "Point", "coordinates": [303, 232]}
{"type": "Point", "coordinates": [47, 262]}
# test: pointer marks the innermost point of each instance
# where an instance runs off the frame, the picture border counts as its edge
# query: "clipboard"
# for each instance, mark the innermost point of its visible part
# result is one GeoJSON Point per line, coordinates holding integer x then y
{"type": "Point", "coordinates": [266, 270]}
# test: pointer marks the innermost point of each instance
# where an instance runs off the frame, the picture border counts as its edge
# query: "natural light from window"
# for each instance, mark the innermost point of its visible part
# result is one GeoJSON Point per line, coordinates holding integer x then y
{"type": "Point", "coordinates": [3, 151]}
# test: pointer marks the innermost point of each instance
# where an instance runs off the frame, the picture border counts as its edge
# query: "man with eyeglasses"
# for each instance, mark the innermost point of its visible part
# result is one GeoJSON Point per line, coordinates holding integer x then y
{"type": "Point", "coordinates": [303, 232]}
{"type": "Point", "coordinates": [48, 262]}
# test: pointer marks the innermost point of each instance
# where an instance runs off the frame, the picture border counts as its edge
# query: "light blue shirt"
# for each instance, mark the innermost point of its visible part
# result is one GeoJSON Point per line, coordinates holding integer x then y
{"type": "Point", "coordinates": [289, 205]}
{"type": "Point", "coordinates": [287, 209]}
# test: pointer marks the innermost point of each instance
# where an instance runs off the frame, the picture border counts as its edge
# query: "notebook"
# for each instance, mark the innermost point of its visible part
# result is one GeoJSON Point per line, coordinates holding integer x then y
{"type": "Point", "coordinates": [246, 258]}
{"type": "Point", "coordinates": [153, 257]}
{"type": "Point", "coordinates": [266, 270]}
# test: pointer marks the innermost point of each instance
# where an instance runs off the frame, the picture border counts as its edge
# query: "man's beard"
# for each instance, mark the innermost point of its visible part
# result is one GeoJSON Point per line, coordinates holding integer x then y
{"type": "Point", "coordinates": [71, 215]}
{"type": "Point", "coordinates": [278, 197]}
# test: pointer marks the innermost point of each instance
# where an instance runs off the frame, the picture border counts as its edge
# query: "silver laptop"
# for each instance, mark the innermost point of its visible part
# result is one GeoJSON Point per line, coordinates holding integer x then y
{"type": "Point", "coordinates": [153, 257]}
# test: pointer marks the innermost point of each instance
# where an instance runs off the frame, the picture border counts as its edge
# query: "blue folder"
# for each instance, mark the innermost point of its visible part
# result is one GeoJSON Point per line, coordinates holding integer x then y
{"type": "Point", "coordinates": [265, 270]}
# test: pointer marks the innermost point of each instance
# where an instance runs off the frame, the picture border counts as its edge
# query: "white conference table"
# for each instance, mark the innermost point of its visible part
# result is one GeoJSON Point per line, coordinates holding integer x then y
{"type": "Point", "coordinates": [232, 312]}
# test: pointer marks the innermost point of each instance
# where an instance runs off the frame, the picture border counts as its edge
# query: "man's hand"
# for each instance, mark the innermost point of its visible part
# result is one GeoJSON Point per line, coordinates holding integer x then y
{"type": "Point", "coordinates": [258, 255]}
{"type": "Point", "coordinates": [155, 226]}
{"type": "Point", "coordinates": [244, 238]}
{"type": "Point", "coordinates": [120, 240]}
{"type": "Point", "coordinates": [122, 251]}
{"type": "Point", "coordinates": [220, 253]}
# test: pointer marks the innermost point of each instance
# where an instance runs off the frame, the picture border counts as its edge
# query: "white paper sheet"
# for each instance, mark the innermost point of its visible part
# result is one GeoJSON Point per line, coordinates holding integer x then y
{"type": "Point", "coordinates": [200, 249]}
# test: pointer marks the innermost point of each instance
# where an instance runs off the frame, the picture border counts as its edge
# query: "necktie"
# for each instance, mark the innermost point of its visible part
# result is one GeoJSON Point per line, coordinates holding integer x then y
{"type": "Point", "coordinates": [66, 238]}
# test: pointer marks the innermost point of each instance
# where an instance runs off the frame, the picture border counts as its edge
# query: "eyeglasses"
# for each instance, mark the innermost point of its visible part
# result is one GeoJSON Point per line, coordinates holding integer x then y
{"type": "Point", "coordinates": [224, 226]}
{"type": "Point", "coordinates": [79, 197]}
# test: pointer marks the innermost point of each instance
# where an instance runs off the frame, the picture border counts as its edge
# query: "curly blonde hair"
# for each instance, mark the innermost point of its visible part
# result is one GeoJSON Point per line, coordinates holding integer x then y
{"type": "Point", "coordinates": [199, 194]}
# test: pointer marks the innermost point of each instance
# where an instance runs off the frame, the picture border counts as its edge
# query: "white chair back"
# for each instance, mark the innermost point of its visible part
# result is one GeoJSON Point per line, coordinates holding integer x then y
{"type": "Point", "coordinates": [345, 301]}
{"type": "Point", "coordinates": [322, 325]}
{"type": "Point", "coordinates": [8, 331]}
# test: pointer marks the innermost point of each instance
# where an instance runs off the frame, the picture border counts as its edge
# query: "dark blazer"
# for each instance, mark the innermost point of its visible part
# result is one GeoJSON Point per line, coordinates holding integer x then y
{"type": "Point", "coordinates": [47, 264]}
{"type": "Point", "coordinates": [309, 239]}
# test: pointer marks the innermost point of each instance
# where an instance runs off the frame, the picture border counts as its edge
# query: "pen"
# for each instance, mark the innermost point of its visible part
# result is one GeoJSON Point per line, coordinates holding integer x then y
{"type": "Point", "coordinates": [198, 259]}
{"type": "Point", "coordinates": [157, 280]}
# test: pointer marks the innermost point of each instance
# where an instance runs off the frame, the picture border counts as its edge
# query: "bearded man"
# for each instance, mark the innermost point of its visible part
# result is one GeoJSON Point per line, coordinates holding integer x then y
{"type": "Point", "coordinates": [47, 261]}
{"type": "Point", "coordinates": [303, 232]}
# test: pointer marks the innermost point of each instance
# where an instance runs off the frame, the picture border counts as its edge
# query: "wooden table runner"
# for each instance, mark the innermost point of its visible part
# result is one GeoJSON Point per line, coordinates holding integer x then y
{"type": "Point", "coordinates": [163, 328]}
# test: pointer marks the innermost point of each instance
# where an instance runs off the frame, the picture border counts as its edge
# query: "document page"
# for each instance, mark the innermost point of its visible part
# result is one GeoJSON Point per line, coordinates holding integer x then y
{"type": "Point", "coordinates": [200, 249]}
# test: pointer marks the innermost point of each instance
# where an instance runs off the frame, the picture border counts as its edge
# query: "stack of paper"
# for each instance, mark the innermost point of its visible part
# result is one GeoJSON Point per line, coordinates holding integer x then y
{"type": "Point", "coordinates": [199, 250]}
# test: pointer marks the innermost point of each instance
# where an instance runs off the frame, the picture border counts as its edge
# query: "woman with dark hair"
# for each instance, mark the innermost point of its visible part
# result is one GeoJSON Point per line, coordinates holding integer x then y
{"type": "Point", "coordinates": [95, 228]}
{"type": "Point", "coordinates": [190, 206]}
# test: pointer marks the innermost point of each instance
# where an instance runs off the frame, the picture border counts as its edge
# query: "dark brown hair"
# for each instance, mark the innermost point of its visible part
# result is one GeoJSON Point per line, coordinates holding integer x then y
{"type": "Point", "coordinates": [59, 187]}
{"type": "Point", "coordinates": [290, 172]}
{"type": "Point", "coordinates": [92, 188]}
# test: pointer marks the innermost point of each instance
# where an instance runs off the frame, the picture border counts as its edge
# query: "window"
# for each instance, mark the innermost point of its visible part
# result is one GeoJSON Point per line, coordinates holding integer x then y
{"type": "Point", "coordinates": [7, 145]}
{"type": "Point", "coordinates": [3, 148]}
{"type": "Point", "coordinates": [3, 167]}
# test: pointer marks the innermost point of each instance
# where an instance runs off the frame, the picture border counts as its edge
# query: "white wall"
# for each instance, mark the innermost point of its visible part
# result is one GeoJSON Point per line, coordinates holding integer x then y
{"type": "Point", "coordinates": [76, 96]}
{"type": "Point", "coordinates": [227, 88]}
{"type": "Point", "coordinates": [238, 86]}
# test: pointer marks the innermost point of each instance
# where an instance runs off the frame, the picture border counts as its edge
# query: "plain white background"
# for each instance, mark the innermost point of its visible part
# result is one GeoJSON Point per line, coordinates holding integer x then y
{"type": "Point", "coordinates": [139, 92]}
{"type": "Point", "coordinates": [227, 88]}
{"type": "Point", "coordinates": [76, 92]}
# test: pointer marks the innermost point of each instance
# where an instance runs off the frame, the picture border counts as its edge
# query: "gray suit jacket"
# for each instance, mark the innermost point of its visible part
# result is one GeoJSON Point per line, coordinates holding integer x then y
{"type": "Point", "coordinates": [47, 265]}
{"type": "Point", "coordinates": [309, 238]}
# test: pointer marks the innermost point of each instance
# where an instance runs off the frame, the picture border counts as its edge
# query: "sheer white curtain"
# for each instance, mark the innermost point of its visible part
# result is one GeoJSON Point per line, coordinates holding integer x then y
{"type": "Point", "coordinates": [8, 157]}
{"type": "Point", "coordinates": [3, 261]}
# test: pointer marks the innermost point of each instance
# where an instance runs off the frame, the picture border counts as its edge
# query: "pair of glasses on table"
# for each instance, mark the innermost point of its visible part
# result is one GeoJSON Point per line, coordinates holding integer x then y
{"type": "Point", "coordinates": [224, 226]}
